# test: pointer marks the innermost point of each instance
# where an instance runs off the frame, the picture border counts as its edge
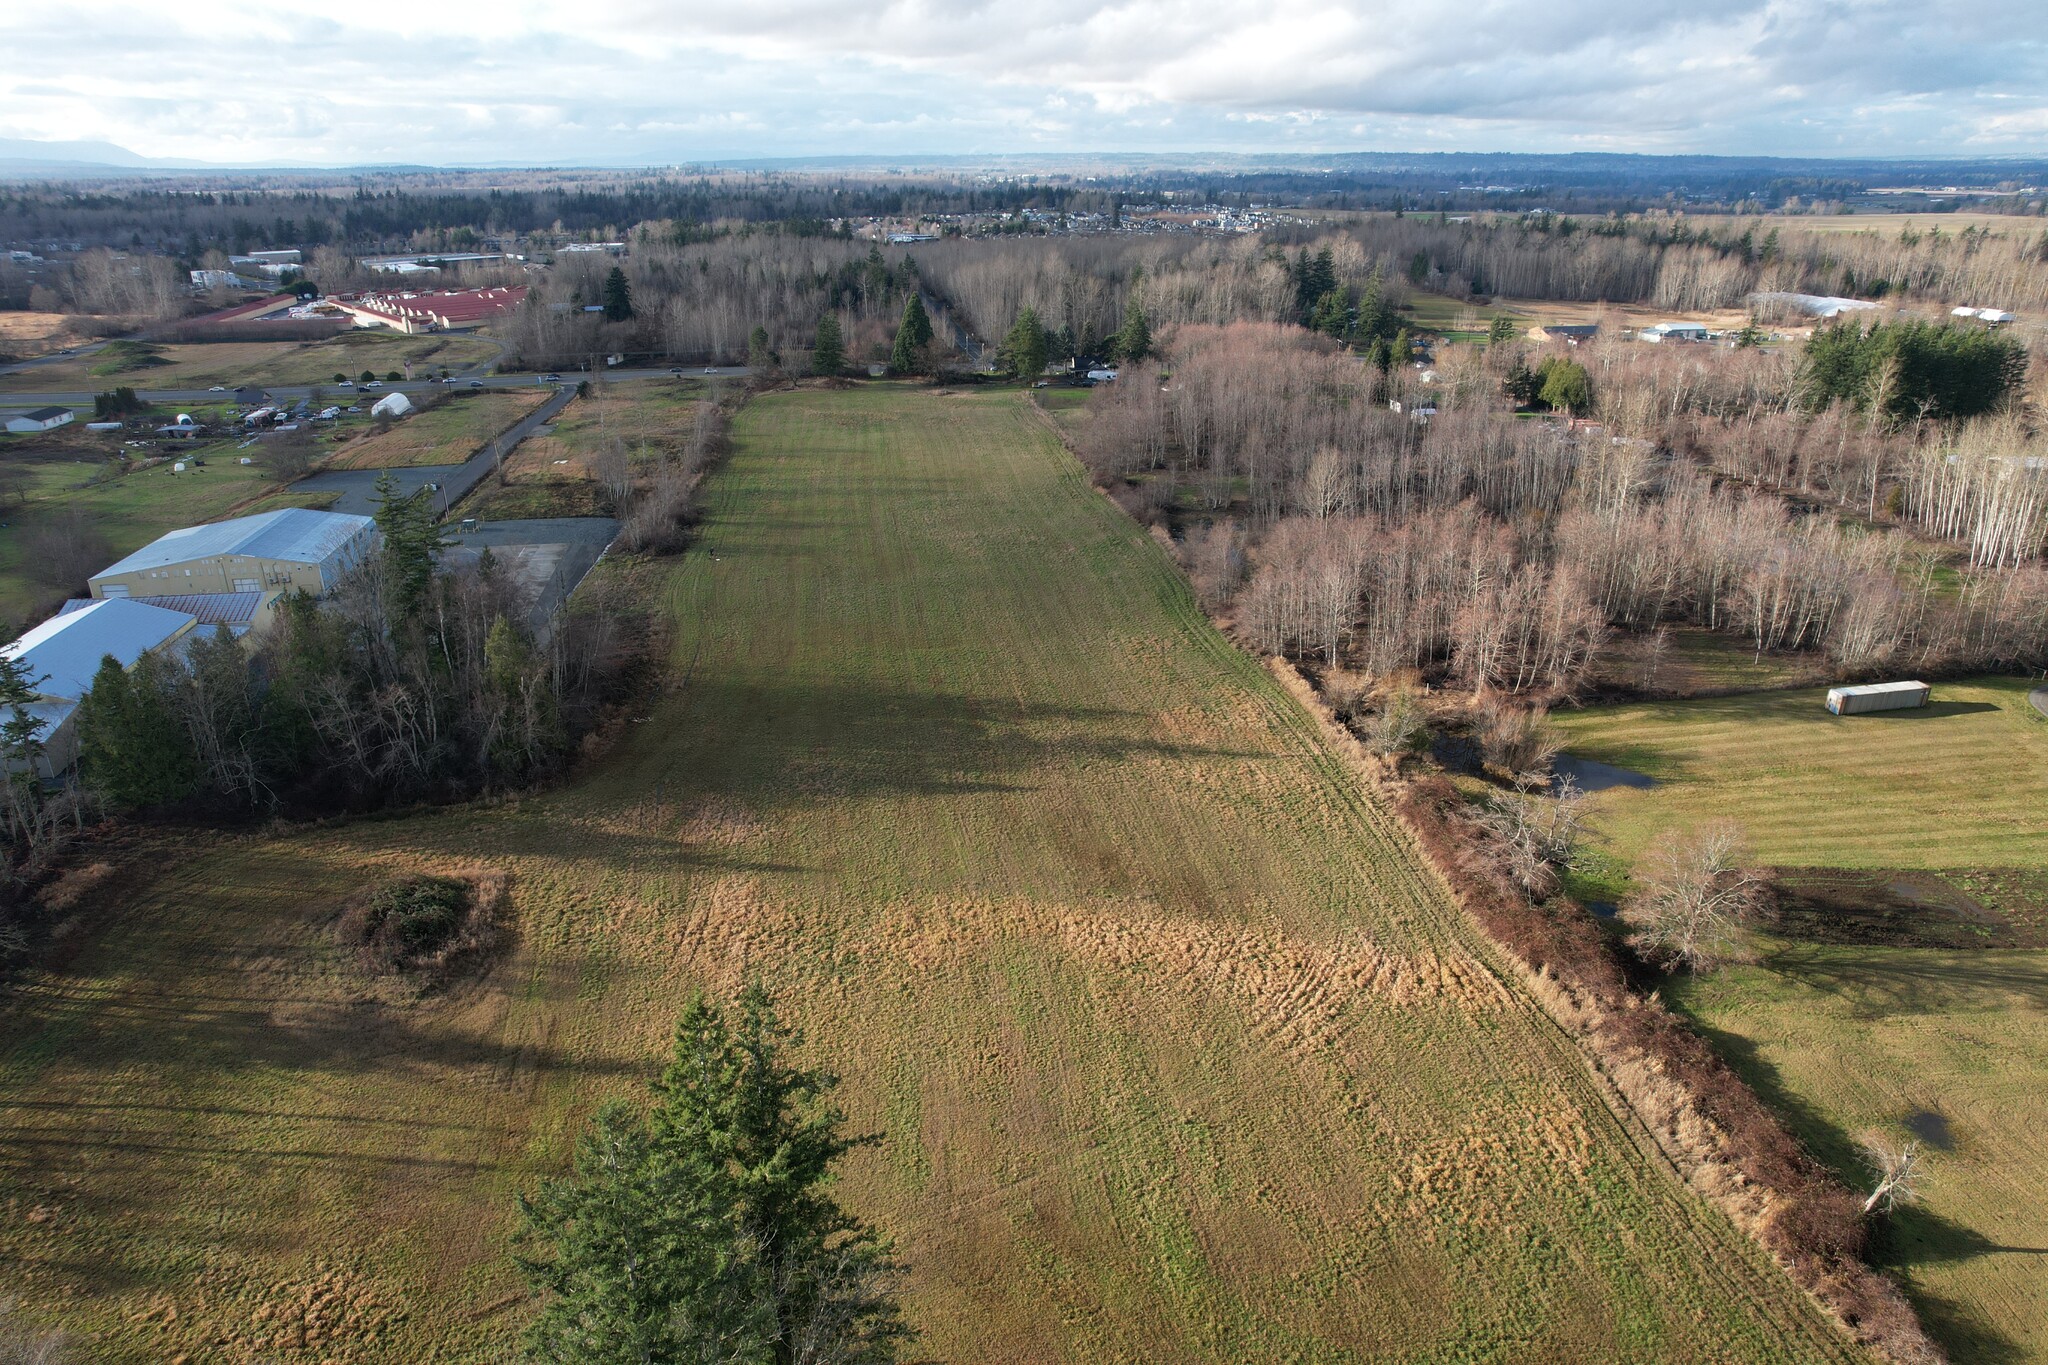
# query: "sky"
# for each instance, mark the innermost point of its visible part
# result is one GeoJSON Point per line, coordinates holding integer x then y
{"type": "Point", "coordinates": [650, 82]}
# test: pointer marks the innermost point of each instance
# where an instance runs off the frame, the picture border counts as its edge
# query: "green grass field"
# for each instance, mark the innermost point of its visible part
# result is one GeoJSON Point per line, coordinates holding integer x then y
{"type": "Point", "coordinates": [1850, 1038]}
{"type": "Point", "coordinates": [448, 432]}
{"type": "Point", "coordinates": [234, 363]}
{"type": "Point", "coordinates": [1178, 1052]}
{"type": "Point", "coordinates": [1961, 783]}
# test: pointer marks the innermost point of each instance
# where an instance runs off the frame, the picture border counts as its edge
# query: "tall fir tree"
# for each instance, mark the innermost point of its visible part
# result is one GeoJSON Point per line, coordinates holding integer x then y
{"type": "Point", "coordinates": [411, 541]}
{"type": "Point", "coordinates": [1023, 350]}
{"type": "Point", "coordinates": [1133, 340]}
{"type": "Point", "coordinates": [706, 1229]}
{"type": "Point", "coordinates": [828, 348]}
{"type": "Point", "coordinates": [618, 296]}
{"type": "Point", "coordinates": [133, 749]}
{"type": "Point", "coordinates": [913, 335]}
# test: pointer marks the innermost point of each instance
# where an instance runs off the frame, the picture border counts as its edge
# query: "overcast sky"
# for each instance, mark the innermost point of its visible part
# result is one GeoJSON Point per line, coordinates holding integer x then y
{"type": "Point", "coordinates": [651, 82]}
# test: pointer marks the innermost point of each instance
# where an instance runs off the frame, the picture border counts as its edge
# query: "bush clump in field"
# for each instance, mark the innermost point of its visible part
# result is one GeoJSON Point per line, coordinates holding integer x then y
{"type": "Point", "coordinates": [422, 925]}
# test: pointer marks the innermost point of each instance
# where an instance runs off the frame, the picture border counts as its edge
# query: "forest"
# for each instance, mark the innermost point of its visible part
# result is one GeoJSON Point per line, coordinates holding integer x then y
{"type": "Point", "coordinates": [1498, 553]}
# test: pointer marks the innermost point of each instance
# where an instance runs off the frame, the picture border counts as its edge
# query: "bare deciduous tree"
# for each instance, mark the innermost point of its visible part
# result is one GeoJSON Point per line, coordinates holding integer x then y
{"type": "Point", "coordinates": [1897, 1170]}
{"type": "Point", "coordinates": [1695, 898]}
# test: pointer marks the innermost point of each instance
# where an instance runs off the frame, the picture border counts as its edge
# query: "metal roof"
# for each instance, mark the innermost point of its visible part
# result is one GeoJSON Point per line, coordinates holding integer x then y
{"type": "Point", "coordinates": [44, 414]}
{"type": "Point", "coordinates": [65, 651]}
{"type": "Point", "coordinates": [296, 535]}
{"type": "Point", "coordinates": [207, 608]}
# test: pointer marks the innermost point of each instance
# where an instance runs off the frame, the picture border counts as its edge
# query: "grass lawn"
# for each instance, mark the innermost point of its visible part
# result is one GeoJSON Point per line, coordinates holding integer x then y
{"type": "Point", "coordinates": [1177, 1051]}
{"type": "Point", "coordinates": [1849, 1038]}
{"type": "Point", "coordinates": [234, 363]}
{"type": "Point", "coordinates": [449, 432]}
{"type": "Point", "coordinates": [1961, 783]}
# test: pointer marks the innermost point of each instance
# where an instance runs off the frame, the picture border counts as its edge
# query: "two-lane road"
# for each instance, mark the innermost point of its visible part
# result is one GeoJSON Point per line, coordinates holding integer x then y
{"type": "Point", "coordinates": [74, 398]}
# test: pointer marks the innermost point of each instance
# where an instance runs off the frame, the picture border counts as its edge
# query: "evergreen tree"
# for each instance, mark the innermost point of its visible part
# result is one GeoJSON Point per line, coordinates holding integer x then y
{"type": "Point", "coordinates": [1501, 331]}
{"type": "Point", "coordinates": [412, 539]}
{"type": "Point", "coordinates": [913, 334]}
{"type": "Point", "coordinates": [1564, 386]}
{"type": "Point", "coordinates": [761, 358]}
{"type": "Point", "coordinates": [1521, 383]}
{"type": "Point", "coordinates": [705, 1229]}
{"type": "Point", "coordinates": [618, 296]}
{"type": "Point", "coordinates": [1402, 349]}
{"type": "Point", "coordinates": [1023, 350]}
{"type": "Point", "coordinates": [828, 348]}
{"type": "Point", "coordinates": [1332, 316]}
{"type": "Point", "coordinates": [133, 749]}
{"type": "Point", "coordinates": [1134, 339]}
{"type": "Point", "coordinates": [1375, 315]}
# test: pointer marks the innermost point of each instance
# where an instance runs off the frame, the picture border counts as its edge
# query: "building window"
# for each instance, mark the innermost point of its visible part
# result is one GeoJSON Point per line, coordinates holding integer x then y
{"type": "Point", "coordinates": [247, 585]}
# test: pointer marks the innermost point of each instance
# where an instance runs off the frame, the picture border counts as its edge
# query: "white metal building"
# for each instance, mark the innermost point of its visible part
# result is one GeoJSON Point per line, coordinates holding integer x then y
{"type": "Point", "coordinates": [38, 419]}
{"type": "Point", "coordinates": [290, 549]}
{"type": "Point", "coordinates": [63, 653]}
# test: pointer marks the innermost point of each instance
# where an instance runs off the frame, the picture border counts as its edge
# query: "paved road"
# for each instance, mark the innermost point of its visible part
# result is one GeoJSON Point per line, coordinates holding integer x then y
{"type": "Point", "coordinates": [68, 398]}
{"type": "Point", "coordinates": [359, 486]}
{"type": "Point", "coordinates": [2039, 696]}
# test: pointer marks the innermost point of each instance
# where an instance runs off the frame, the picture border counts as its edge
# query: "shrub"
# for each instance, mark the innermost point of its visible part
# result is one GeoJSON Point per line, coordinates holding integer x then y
{"type": "Point", "coordinates": [421, 924]}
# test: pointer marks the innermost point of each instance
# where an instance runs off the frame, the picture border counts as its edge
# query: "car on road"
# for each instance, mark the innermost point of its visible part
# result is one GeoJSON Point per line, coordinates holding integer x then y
{"type": "Point", "coordinates": [549, 379]}
{"type": "Point", "coordinates": [710, 370]}
{"type": "Point", "coordinates": [676, 370]}
{"type": "Point", "coordinates": [218, 388]}
{"type": "Point", "coordinates": [374, 384]}
{"type": "Point", "coordinates": [476, 383]}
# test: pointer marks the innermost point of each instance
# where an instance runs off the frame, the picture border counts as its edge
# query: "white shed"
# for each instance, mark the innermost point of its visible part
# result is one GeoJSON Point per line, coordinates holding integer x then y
{"type": "Point", "coordinates": [391, 405]}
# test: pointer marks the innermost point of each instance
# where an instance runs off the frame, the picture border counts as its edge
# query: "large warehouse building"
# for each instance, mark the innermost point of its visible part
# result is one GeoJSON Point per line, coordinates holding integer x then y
{"type": "Point", "coordinates": [282, 551]}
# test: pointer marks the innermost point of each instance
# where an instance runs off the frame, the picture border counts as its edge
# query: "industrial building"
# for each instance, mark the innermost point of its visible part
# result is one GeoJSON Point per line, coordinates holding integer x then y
{"type": "Point", "coordinates": [292, 549]}
{"type": "Point", "coordinates": [63, 653]}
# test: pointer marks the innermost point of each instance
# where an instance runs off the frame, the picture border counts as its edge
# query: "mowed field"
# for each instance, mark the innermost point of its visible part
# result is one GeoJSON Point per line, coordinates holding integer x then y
{"type": "Point", "coordinates": [1960, 783]}
{"type": "Point", "coordinates": [1947, 1045]}
{"type": "Point", "coordinates": [1177, 1052]}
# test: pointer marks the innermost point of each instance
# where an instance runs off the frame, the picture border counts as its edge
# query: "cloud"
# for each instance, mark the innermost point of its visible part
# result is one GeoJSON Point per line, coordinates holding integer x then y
{"type": "Point", "coordinates": [651, 81]}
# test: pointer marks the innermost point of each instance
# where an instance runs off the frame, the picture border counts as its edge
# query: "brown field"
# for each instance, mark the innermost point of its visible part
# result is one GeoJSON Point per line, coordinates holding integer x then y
{"type": "Point", "coordinates": [448, 432]}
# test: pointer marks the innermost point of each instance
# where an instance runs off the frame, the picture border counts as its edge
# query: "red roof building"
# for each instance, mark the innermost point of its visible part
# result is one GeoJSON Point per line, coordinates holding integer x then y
{"type": "Point", "coordinates": [435, 310]}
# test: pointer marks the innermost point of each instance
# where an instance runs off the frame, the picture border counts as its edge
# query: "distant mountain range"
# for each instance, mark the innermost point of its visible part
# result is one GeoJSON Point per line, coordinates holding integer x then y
{"type": "Point", "coordinates": [28, 159]}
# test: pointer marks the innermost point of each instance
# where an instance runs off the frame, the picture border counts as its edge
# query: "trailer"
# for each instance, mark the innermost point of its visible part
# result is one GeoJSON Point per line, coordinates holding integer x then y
{"type": "Point", "coordinates": [1891, 696]}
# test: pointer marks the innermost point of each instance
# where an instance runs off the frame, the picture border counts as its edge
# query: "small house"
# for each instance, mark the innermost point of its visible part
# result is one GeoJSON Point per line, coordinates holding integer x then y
{"type": "Point", "coordinates": [1673, 331]}
{"type": "Point", "coordinates": [38, 419]}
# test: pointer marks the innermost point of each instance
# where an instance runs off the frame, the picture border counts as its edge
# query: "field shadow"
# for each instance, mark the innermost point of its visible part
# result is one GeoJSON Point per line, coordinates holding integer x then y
{"type": "Point", "coordinates": [776, 743]}
{"type": "Point", "coordinates": [1913, 981]}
